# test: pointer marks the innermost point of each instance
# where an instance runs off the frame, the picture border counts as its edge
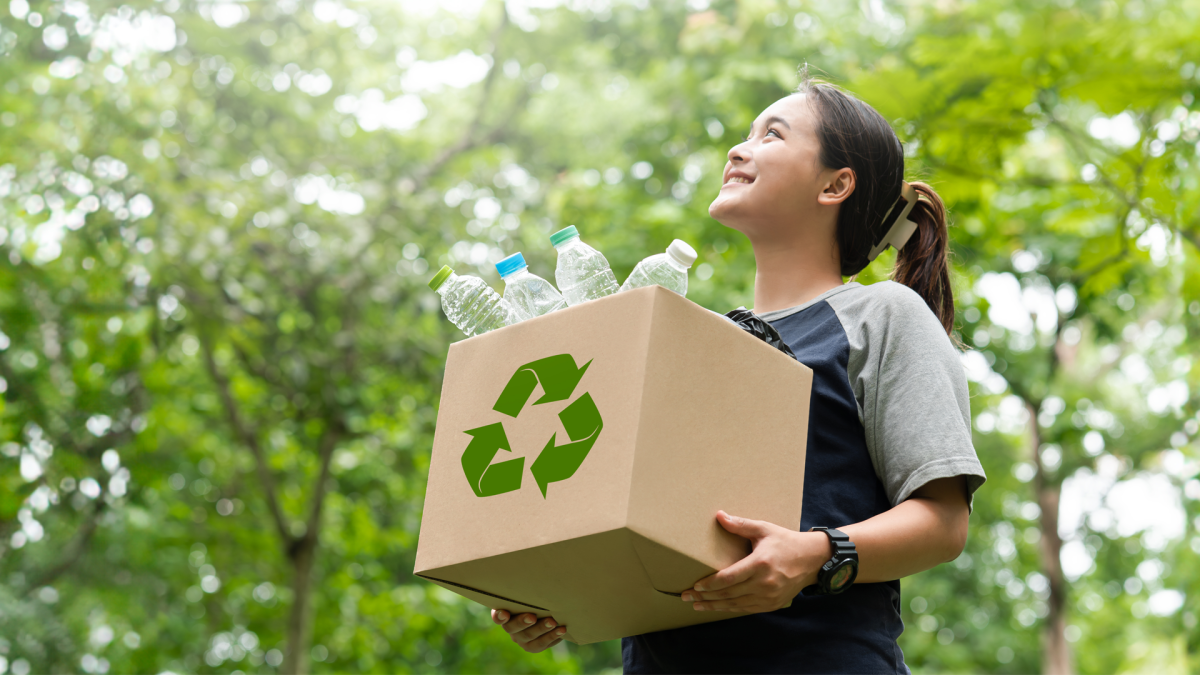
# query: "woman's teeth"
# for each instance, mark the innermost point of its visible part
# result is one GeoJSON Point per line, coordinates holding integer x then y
{"type": "Point", "coordinates": [739, 179]}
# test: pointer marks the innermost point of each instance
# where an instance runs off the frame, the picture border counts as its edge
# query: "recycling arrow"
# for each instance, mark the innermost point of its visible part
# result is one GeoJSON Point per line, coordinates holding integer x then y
{"type": "Point", "coordinates": [489, 479]}
{"type": "Point", "coordinates": [582, 421]}
{"type": "Point", "coordinates": [557, 375]}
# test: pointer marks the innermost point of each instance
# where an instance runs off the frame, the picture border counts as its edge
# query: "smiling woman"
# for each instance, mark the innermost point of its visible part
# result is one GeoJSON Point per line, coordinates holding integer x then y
{"type": "Point", "coordinates": [866, 212]}
{"type": "Point", "coordinates": [818, 188]}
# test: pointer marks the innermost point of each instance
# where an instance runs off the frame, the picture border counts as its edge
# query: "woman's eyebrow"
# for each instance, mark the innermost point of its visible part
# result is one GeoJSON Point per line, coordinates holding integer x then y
{"type": "Point", "coordinates": [772, 118]}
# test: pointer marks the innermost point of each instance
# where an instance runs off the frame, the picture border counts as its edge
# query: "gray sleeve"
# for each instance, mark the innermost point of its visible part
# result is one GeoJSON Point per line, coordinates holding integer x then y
{"type": "Point", "coordinates": [911, 389]}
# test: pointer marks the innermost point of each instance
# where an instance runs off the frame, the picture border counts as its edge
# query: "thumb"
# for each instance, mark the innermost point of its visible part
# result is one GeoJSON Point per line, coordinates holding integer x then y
{"type": "Point", "coordinates": [744, 527]}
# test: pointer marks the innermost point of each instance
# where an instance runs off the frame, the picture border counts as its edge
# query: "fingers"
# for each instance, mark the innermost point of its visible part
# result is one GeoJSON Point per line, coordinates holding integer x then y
{"type": "Point", "coordinates": [744, 527]}
{"type": "Point", "coordinates": [509, 622]}
{"type": "Point", "coordinates": [743, 601]}
{"type": "Point", "coordinates": [534, 631]}
{"type": "Point", "coordinates": [526, 630]}
{"type": "Point", "coordinates": [751, 596]}
{"type": "Point", "coordinates": [735, 591]}
{"type": "Point", "coordinates": [545, 641]}
{"type": "Point", "coordinates": [736, 573]}
{"type": "Point", "coordinates": [746, 604]}
{"type": "Point", "coordinates": [518, 623]}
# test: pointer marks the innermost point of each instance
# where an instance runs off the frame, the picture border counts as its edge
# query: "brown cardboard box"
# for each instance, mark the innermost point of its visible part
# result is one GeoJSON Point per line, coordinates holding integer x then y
{"type": "Point", "coordinates": [639, 415]}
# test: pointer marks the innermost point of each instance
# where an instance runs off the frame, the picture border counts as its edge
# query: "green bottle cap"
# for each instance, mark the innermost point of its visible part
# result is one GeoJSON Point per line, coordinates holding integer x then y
{"type": "Point", "coordinates": [440, 278]}
{"type": "Point", "coordinates": [563, 235]}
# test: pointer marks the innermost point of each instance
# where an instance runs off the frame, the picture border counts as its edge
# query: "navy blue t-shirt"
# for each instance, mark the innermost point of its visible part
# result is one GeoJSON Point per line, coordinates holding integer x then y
{"type": "Point", "coordinates": [855, 631]}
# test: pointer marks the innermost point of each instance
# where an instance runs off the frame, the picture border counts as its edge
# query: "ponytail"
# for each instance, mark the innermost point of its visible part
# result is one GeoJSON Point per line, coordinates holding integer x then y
{"type": "Point", "coordinates": [853, 134]}
{"type": "Point", "coordinates": [924, 264]}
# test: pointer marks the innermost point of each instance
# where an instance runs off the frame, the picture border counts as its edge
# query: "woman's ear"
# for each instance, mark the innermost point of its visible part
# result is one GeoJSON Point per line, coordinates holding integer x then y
{"type": "Point", "coordinates": [838, 187]}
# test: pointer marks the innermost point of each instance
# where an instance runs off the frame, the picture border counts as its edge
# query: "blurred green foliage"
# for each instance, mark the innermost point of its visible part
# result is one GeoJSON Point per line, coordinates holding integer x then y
{"type": "Point", "coordinates": [220, 364]}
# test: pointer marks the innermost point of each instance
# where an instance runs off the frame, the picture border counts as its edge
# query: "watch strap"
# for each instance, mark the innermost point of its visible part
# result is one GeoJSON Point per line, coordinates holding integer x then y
{"type": "Point", "coordinates": [843, 548]}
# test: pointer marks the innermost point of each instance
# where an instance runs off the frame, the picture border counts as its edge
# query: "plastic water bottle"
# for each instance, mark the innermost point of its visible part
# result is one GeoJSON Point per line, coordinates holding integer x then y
{"type": "Point", "coordinates": [669, 270]}
{"type": "Point", "coordinates": [583, 273]}
{"type": "Point", "coordinates": [528, 293]}
{"type": "Point", "coordinates": [471, 304]}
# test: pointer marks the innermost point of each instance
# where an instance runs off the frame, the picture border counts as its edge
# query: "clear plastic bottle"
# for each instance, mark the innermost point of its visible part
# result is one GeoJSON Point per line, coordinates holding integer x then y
{"type": "Point", "coordinates": [528, 293]}
{"type": "Point", "coordinates": [669, 270]}
{"type": "Point", "coordinates": [583, 272]}
{"type": "Point", "coordinates": [471, 304]}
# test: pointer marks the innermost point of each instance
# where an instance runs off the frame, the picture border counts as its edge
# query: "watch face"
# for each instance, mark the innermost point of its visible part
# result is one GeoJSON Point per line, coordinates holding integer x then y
{"type": "Point", "coordinates": [841, 577]}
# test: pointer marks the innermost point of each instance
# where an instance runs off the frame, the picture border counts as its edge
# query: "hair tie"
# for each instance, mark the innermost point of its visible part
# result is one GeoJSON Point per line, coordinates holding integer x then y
{"type": "Point", "coordinates": [903, 228]}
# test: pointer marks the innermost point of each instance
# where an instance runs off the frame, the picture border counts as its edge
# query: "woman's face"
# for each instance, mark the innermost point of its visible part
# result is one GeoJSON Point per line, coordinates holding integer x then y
{"type": "Point", "coordinates": [774, 182]}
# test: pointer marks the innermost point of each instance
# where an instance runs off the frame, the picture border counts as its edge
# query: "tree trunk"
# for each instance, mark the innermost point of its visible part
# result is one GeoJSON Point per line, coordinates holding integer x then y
{"type": "Point", "coordinates": [299, 628]}
{"type": "Point", "coordinates": [1056, 652]}
{"type": "Point", "coordinates": [302, 552]}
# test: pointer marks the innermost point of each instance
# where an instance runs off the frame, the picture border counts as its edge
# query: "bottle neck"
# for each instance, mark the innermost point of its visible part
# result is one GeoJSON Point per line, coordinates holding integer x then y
{"type": "Point", "coordinates": [673, 262]}
{"type": "Point", "coordinates": [513, 275]}
{"type": "Point", "coordinates": [441, 290]}
{"type": "Point", "coordinates": [573, 241]}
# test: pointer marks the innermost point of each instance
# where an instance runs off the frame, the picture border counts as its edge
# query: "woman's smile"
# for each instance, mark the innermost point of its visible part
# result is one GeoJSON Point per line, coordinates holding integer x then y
{"type": "Point", "coordinates": [737, 177]}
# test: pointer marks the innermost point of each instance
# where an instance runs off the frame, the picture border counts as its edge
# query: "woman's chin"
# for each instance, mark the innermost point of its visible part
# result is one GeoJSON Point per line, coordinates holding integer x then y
{"type": "Point", "coordinates": [724, 217]}
{"type": "Point", "coordinates": [723, 211]}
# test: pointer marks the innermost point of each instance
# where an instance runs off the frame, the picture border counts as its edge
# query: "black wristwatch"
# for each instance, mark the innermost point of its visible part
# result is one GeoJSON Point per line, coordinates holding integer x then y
{"type": "Point", "coordinates": [836, 575]}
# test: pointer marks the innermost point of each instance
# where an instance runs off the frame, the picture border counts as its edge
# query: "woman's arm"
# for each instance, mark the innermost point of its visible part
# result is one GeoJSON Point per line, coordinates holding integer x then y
{"type": "Point", "coordinates": [921, 532]}
{"type": "Point", "coordinates": [925, 530]}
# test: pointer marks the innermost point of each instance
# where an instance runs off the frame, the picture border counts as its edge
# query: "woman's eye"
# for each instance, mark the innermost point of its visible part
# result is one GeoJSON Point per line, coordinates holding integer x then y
{"type": "Point", "coordinates": [769, 131]}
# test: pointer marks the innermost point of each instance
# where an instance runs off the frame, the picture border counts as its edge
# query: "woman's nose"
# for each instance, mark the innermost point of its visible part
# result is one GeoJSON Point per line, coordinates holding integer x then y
{"type": "Point", "coordinates": [738, 153]}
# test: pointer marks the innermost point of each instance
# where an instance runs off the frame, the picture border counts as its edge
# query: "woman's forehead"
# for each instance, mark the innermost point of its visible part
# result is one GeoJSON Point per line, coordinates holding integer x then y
{"type": "Point", "coordinates": [794, 109]}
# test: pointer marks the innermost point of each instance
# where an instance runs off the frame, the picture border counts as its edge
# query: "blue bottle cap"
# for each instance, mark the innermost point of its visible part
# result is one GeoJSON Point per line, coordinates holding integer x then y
{"type": "Point", "coordinates": [511, 264]}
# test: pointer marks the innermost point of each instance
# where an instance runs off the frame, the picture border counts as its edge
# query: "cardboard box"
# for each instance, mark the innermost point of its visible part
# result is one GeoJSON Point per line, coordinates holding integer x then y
{"type": "Point", "coordinates": [580, 458]}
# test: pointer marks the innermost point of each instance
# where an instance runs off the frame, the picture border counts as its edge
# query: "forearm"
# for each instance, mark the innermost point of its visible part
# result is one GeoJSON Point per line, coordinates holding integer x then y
{"type": "Point", "coordinates": [925, 530]}
{"type": "Point", "coordinates": [915, 535]}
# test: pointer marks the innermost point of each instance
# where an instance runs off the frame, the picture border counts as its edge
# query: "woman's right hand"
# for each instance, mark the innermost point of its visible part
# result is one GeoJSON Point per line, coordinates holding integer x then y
{"type": "Point", "coordinates": [527, 631]}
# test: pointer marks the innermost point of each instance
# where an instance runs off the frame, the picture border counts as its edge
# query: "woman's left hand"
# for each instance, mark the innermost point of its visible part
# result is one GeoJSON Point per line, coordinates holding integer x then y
{"type": "Point", "coordinates": [781, 563]}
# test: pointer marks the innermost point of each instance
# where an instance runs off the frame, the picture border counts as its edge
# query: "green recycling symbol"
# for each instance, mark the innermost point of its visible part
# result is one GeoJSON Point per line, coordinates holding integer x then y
{"type": "Point", "coordinates": [558, 376]}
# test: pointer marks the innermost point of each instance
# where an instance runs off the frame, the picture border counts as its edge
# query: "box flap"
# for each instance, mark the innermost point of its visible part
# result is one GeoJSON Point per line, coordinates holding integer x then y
{"type": "Point", "coordinates": [596, 586]}
{"type": "Point", "coordinates": [506, 603]}
{"type": "Point", "coordinates": [495, 601]}
{"type": "Point", "coordinates": [668, 570]}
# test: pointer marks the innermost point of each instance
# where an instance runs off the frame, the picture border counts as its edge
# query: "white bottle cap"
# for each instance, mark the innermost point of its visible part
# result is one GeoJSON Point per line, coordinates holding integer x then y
{"type": "Point", "coordinates": [682, 252]}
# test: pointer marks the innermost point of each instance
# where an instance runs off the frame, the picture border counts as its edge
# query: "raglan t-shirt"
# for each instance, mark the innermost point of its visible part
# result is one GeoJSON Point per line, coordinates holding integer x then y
{"type": "Point", "coordinates": [889, 412]}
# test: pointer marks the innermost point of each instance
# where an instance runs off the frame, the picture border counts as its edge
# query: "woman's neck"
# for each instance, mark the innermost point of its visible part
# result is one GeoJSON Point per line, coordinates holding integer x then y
{"type": "Point", "coordinates": [792, 273]}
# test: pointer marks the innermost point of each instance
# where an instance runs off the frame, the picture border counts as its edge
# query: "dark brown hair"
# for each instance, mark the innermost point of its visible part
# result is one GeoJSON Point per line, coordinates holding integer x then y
{"type": "Point", "coordinates": [852, 134]}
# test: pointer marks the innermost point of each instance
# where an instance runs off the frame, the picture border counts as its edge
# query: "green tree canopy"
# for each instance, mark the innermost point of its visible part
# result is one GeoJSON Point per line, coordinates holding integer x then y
{"type": "Point", "coordinates": [220, 364]}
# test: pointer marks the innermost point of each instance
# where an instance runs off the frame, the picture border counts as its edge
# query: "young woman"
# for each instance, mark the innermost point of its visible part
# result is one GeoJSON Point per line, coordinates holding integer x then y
{"type": "Point", "coordinates": [818, 188]}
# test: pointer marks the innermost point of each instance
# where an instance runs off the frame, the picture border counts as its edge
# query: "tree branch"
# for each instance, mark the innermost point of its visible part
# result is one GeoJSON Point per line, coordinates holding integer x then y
{"type": "Point", "coordinates": [1082, 278]}
{"type": "Point", "coordinates": [1191, 236]}
{"type": "Point", "coordinates": [254, 368]}
{"type": "Point", "coordinates": [75, 550]}
{"type": "Point", "coordinates": [248, 438]}
{"type": "Point", "coordinates": [1190, 232]}
{"type": "Point", "coordinates": [328, 443]}
{"type": "Point", "coordinates": [469, 141]}
{"type": "Point", "coordinates": [17, 391]}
